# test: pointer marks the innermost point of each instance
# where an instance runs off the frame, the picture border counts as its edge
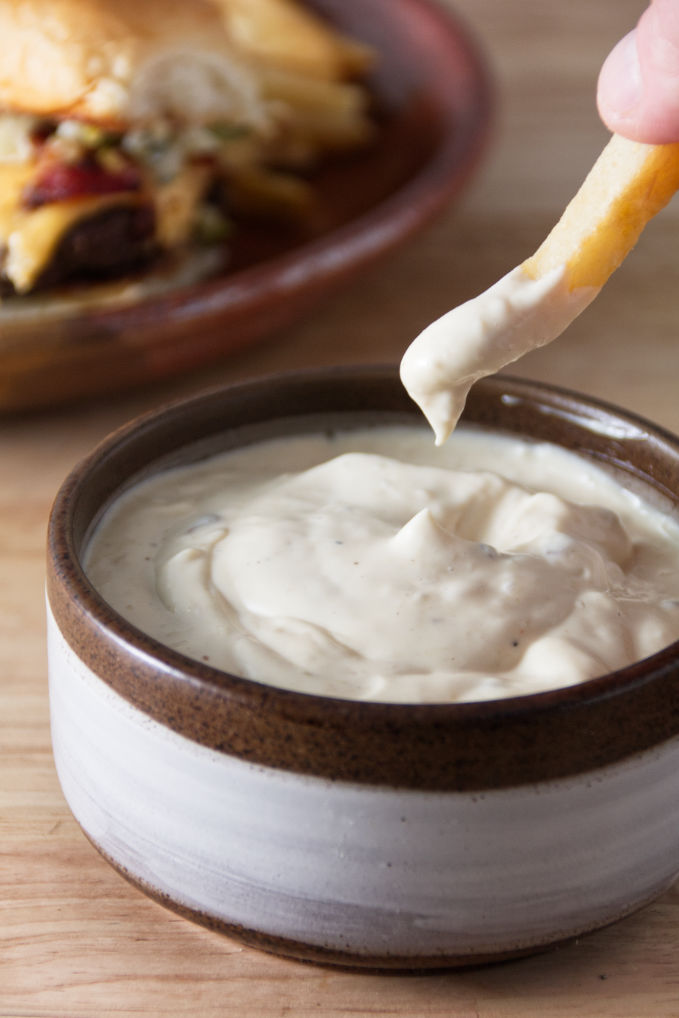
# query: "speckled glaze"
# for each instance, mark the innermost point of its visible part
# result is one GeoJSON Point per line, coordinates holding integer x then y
{"type": "Point", "coordinates": [364, 834]}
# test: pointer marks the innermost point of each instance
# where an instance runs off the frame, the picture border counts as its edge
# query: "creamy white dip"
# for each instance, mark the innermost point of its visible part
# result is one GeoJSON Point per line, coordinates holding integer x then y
{"type": "Point", "coordinates": [515, 315]}
{"type": "Point", "coordinates": [372, 565]}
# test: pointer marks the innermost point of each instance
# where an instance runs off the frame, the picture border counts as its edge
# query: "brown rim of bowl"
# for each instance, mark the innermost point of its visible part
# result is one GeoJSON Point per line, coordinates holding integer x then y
{"type": "Point", "coordinates": [463, 747]}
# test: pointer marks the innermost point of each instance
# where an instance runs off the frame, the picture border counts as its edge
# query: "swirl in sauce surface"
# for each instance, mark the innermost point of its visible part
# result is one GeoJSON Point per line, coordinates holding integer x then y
{"type": "Point", "coordinates": [371, 565]}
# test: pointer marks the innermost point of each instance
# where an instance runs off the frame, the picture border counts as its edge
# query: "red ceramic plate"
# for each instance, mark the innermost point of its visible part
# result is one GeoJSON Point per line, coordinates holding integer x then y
{"type": "Point", "coordinates": [433, 91]}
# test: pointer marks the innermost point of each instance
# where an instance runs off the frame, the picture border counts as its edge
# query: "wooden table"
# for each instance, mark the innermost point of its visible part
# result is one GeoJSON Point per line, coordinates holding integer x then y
{"type": "Point", "coordinates": [76, 939]}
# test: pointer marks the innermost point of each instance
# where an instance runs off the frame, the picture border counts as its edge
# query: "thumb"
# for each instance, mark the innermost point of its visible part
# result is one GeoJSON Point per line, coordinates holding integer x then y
{"type": "Point", "coordinates": [638, 92]}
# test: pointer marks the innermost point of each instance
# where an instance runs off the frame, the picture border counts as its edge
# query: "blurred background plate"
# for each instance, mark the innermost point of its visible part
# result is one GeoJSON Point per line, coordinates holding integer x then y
{"type": "Point", "coordinates": [433, 93]}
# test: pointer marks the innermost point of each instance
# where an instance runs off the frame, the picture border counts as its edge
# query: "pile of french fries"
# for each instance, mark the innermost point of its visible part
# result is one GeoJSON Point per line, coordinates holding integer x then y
{"type": "Point", "coordinates": [310, 78]}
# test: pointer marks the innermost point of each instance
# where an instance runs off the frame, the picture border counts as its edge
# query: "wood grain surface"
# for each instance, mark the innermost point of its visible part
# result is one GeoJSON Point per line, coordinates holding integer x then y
{"type": "Point", "coordinates": [75, 939]}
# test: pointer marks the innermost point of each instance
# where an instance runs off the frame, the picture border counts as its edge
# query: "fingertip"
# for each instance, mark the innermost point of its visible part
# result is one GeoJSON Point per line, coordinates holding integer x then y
{"type": "Point", "coordinates": [620, 89]}
{"type": "Point", "coordinates": [638, 87]}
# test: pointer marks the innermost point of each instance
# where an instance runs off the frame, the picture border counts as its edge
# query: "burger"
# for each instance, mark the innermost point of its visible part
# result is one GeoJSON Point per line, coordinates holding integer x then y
{"type": "Point", "coordinates": [132, 131]}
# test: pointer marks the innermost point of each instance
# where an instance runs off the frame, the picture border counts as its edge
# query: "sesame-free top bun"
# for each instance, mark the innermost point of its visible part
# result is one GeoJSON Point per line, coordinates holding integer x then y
{"type": "Point", "coordinates": [119, 62]}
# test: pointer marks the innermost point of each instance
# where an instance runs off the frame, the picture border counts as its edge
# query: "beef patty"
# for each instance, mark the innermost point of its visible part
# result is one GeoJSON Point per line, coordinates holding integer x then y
{"type": "Point", "coordinates": [111, 243]}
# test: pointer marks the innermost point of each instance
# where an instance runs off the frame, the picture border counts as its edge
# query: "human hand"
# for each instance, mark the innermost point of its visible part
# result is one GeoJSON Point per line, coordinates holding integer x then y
{"type": "Point", "coordinates": [638, 93]}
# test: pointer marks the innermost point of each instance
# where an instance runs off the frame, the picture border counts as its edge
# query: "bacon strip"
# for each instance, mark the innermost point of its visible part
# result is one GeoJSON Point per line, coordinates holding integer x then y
{"type": "Point", "coordinates": [59, 181]}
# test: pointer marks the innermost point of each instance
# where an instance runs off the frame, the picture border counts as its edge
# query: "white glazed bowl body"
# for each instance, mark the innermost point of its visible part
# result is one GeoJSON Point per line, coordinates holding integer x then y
{"type": "Point", "coordinates": [364, 834]}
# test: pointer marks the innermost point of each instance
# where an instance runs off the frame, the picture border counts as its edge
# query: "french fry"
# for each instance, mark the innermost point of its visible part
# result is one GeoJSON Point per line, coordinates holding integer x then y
{"type": "Point", "coordinates": [304, 93]}
{"type": "Point", "coordinates": [535, 302]}
{"type": "Point", "coordinates": [629, 183]}
{"type": "Point", "coordinates": [284, 33]}
{"type": "Point", "coordinates": [302, 66]}
{"type": "Point", "coordinates": [269, 195]}
{"type": "Point", "coordinates": [319, 115]}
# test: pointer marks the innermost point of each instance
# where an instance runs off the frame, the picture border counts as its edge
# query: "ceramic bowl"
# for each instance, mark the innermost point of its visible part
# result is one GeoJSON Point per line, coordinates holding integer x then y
{"type": "Point", "coordinates": [433, 93]}
{"type": "Point", "coordinates": [367, 834]}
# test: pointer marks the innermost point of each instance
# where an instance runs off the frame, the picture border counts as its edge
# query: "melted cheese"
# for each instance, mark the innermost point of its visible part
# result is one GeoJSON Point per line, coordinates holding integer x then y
{"type": "Point", "coordinates": [31, 236]}
{"type": "Point", "coordinates": [37, 233]}
{"type": "Point", "coordinates": [13, 179]}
